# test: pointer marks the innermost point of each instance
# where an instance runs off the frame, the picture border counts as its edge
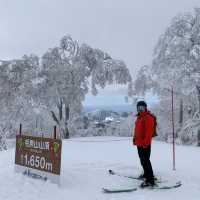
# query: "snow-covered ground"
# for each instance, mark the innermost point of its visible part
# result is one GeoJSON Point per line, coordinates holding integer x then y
{"type": "Point", "coordinates": [85, 162]}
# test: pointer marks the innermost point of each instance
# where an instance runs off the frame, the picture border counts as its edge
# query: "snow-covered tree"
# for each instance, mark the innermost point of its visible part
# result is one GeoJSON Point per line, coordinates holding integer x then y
{"type": "Point", "coordinates": [40, 93]}
{"type": "Point", "coordinates": [176, 64]}
{"type": "Point", "coordinates": [176, 58]}
{"type": "Point", "coordinates": [69, 72]}
{"type": "Point", "coordinates": [15, 92]}
{"type": "Point", "coordinates": [143, 81]}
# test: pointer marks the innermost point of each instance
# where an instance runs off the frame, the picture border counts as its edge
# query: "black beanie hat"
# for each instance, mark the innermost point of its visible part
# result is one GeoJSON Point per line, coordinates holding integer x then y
{"type": "Point", "coordinates": [141, 103]}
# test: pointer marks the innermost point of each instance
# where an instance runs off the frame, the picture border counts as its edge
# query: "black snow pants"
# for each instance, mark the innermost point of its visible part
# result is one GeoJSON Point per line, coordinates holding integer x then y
{"type": "Point", "coordinates": [144, 155]}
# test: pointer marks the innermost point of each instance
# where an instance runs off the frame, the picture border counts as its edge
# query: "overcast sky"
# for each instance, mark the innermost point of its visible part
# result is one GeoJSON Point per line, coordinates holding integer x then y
{"type": "Point", "coordinates": [126, 29]}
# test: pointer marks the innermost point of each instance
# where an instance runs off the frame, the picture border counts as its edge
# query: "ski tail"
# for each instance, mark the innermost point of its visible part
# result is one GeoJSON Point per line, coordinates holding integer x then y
{"type": "Point", "coordinates": [113, 190]}
{"type": "Point", "coordinates": [164, 187]}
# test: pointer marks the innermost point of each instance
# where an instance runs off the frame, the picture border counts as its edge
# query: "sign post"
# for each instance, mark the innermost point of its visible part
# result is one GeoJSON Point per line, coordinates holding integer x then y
{"type": "Point", "coordinates": [38, 157]}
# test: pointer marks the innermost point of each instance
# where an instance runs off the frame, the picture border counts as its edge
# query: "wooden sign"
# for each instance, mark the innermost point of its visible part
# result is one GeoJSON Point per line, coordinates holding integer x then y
{"type": "Point", "coordinates": [38, 153]}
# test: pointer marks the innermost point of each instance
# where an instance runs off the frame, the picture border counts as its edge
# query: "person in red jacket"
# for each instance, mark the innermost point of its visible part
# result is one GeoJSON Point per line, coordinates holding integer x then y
{"type": "Point", "coordinates": [142, 136]}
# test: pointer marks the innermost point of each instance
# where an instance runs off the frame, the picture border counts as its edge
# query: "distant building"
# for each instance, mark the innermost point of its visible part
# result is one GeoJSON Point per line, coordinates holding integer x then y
{"type": "Point", "coordinates": [109, 119]}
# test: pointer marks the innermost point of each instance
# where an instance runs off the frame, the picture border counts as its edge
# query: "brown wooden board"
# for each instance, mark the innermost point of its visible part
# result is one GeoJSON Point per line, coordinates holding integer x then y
{"type": "Point", "coordinates": [39, 153]}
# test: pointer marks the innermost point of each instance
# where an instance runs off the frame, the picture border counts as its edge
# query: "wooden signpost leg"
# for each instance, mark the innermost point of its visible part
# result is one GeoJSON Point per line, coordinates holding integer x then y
{"type": "Point", "coordinates": [54, 132]}
{"type": "Point", "coordinates": [20, 129]}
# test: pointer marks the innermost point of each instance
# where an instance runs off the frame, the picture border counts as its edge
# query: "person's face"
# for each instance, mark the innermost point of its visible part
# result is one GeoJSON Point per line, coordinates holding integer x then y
{"type": "Point", "coordinates": [141, 109]}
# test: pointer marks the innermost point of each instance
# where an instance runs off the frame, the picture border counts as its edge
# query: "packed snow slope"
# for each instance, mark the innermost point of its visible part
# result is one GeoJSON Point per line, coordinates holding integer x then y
{"type": "Point", "coordinates": [85, 162]}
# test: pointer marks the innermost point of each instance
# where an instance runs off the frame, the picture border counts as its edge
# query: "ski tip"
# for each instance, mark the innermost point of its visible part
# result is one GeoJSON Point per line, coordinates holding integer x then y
{"type": "Point", "coordinates": [111, 171]}
{"type": "Point", "coordinates": [105, 190]}
{"type": "Point", "coordinates": [178, 184]}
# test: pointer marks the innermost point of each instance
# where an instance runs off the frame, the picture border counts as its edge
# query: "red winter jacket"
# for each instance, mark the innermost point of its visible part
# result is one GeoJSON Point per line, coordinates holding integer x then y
{"type": "Point", "coordinates": [144, 128]}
